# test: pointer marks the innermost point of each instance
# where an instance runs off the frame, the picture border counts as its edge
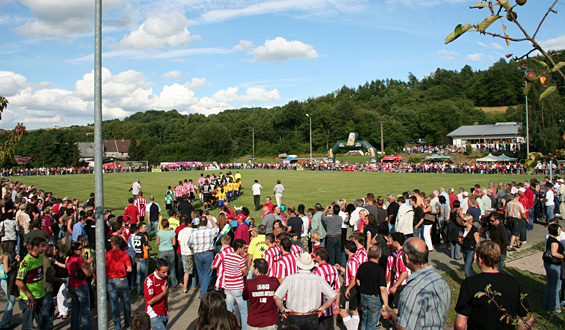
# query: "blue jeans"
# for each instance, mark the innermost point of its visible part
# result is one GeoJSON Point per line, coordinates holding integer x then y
{"type": "Point", "coordinates": [231, 297]}
{"type": "Point", "coordinates": [141, 272]}
{"type": "Point", "coordinates": [29, 313]}
{"type": "Point", "coordinates": [418, 232]}
{"type": "Point", "coordinates": [370, 307]}
{"type": "Point", "coordinates": [501, 264]}
{"type": "Point", "coordinates": [530, 225]}
{"type": "Point", "coordinates": [549, 211]}
{"type": "Point", "coordinates": [159, 322]}
{"type": "Point", "coordinates": [203, 262]}
{"type": "Point", "coordinates": [551, 295]}
{"type": "Point", "coordinates": [169, 255]}
{"type": "Point", "coordinates": [118, 289]}
{"type": "Point", "coordinates": [154, 225]}
{"type": "Point", "coordinates": [7, 317]}
{"type": "Point", "coordinates": [391, 228]}
{"type": "Point", "coordinates": [47, 311]}
{"type": "Point", "coordinates": [468, 256]}
{"type": "Point", "coordinates": [304, 322]}
{"type": "Point", "coordinates": [80, 304]}
{"type": "Point", "coordinates": [455, 249]}
{"type": "Point", "coordinates": [333, 245]}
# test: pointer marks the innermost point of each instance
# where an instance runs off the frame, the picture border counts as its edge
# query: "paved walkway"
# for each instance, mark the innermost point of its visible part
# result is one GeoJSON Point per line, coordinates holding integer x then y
{"type": "Point", "coordinates": [184, 307]}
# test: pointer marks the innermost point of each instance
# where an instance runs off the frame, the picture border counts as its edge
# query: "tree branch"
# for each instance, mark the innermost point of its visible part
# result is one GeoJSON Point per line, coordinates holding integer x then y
{"type": "Point", "coordinates": [549, 10]}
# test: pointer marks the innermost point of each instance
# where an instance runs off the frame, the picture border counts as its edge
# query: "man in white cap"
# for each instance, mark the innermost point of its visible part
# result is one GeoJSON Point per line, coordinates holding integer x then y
{"type": "Point", "coordinates": [303, 292]}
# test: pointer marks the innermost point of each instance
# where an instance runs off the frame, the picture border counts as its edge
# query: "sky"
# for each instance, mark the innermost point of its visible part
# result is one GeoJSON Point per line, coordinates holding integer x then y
{"type": "Point", "coordinates": [206, 56]}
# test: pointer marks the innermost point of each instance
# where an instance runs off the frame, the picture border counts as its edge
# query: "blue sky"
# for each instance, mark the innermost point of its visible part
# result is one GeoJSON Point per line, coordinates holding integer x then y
{"type": "Point", "coordinates": [205, 56]}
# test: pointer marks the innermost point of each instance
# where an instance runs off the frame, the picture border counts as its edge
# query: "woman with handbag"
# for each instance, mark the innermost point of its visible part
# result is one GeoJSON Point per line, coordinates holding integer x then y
{"type": "Point", "coordinates": [79, 270]}
{"type": "Point", "coordinates": [429, 222]}
{"type": "Point", "coordinates": [470, 240]}
{"type": "Point", "coordinates": [9, 263]}
{"type": "Point", "coordinates": [552, 260]}
{"type": "Point", "coordinates": [455, 231]}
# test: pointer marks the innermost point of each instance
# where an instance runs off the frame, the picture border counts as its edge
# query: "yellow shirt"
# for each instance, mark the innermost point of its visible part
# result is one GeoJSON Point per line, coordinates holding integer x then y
{"type": "Point", "coordinates": [257, 247]}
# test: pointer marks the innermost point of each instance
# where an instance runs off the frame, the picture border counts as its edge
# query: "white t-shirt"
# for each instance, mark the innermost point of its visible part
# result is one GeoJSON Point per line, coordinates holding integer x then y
{"type": "Point", "coordinates": [549, 198]}
{"type": "Point", "coordinates": [256, 188]}
{"type": "Point", "coordinates": [306, 223]}
{"type": "Point", "coordinates": [184, 235]}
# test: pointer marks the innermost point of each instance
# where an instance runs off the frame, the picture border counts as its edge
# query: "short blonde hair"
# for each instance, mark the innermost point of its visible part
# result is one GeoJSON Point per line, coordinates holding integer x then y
{"type": "Point", "coordinates": [468, 218]}
{"type": "Point", "coordinates": [315, 236]}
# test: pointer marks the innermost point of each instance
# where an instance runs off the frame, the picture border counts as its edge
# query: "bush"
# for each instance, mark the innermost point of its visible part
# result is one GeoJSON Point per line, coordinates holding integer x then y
{"type": "Point", "coordinates": [468, 149]}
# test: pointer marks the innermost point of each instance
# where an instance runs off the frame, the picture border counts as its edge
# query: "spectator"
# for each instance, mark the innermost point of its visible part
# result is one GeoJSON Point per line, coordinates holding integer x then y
{"type": "Point", "coordinates": [213, 314]}
{"type": "Point", "coordinates": [153, 210]}
{"type": "Point", "coordinates": [553, 269]}
{"type": "Point", "coordinates": [371, 281]}
{"type": "Point", "coordinates": [256, 189]}
{"type": "Point", "coordinates": [78, 228]}
{"type": "Point", "coordinates": [79, 270]}
{"type": "Point", "coordinates": [141, 248]}
{"type": "Point", "coordinates": [31, 287]}
{"type": "Point", "coordinates": [331, 275]}
{"type": "Point", "coordinates": [349, 300]}
{"type": "Point", "coordinates": [257, 248]}
{"type": "Point", "coordinates": [235, 269]}
{"type": "Point", "coordinates": [10, 228]}
{"type": "Point", "coordinates": [499, 235]}
{"type": "Point", "coordinates": [118, 264]}
{"type": "Point", "coordinates": [425, 299]}
{"type": "Point", "coordinates": [470, 241]}
{"type": "Point", "coordinates": [187, 254]}
{"type": "Point", "coordinates": [140, 321]}
{"type": "Point", "coordinates": [304, 292]}
{"type": "Point", "coordinates": [156, 296]}
{"type": "Point", "coordinates": [333, 223]}
{"type": "Point", "coordinates": [166, 240]}
{"type": "Point", "coordinates": [286, 266]}
{"type": "Point", "coordinates": [132, 211]}
{"type": "Point", "coordinates": [259, 291]}
{"type": "Point", "coordinates": [477, 312]}
{"type": "Point", "coordinates": [202, 243]}
{"type": "Point", "coordinates": [60, 261]}
{"type": "Point", "coordinates": [10, 263]}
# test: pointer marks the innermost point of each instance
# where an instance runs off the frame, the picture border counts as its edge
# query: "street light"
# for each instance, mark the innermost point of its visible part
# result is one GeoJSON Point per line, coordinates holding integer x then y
{"type": "Point", "coordinates": [525, 69]}
{"type": "Point", "coordinates": [309, 115]}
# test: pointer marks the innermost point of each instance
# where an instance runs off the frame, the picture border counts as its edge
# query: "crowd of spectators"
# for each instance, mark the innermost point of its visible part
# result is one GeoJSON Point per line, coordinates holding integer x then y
{"type": "Point", "coordinates": [367, 261]}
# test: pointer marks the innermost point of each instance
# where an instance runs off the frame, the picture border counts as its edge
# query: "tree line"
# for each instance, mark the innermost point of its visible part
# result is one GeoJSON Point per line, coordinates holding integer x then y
{"type": "Point", "coordinates": [427, 108]}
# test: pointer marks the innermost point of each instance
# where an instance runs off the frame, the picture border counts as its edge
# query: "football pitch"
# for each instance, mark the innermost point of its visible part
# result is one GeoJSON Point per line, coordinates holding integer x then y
{"type": "Point", "coordinates": [301, 187]}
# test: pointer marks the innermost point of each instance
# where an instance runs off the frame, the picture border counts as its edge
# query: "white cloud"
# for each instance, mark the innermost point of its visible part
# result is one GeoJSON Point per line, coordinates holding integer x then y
{"type": "Point", "coordinates": [195, 83]}
{"type": "Point", "coordinates": [176, 97]}
{"type": "Point", "coordinates": [496, 46]}
{"type": "Point", "coordinates": [474, 57]}
{"type": "Point", "coordinates": [159, 30]}
{"type": "Point", "coordinates": [446, 54]}
{"type": "Point", "coordinates": [11, 83]}
{"type": "Point", "coordinates": [243, 45]}
{"type": "Point", "coordinates": [227, 95]}
{"type": "Point", "coordinates": [279, 49]}
{"type": "Point", "coordinates": [553, 44]}
{"type": "Point", "coordinates": [482, 44]}
{"type": "Point", "coordinates": [175, 74]}
{"type": "Point", "coordinates": [61, 18]}
{"type": "Point", "coordinates": [208, 105]}
{"type": "Point", "coordinates": [257, 94]}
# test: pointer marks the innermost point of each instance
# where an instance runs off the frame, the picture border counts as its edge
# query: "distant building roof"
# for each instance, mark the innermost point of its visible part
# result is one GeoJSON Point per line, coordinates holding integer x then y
{"type": "Point", "coordinates": [86, 149]}
{"type": "Point", "coordinates": [116, 145]}
{"type": "Point", "coordinates": [494, 130]}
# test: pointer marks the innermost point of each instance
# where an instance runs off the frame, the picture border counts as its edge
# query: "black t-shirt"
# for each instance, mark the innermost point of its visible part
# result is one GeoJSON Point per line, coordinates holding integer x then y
{"type": "Point", "coordinates": [418, 215]}
{"type": "Point", "coordinates": [140, 245]}
{"type": "Point", "coordinates": [371, 276]}
{"type": "Point", "coordinates": [372, 230]}
{"type": "Point", "coordinates": [185, 208]}
{"type": "Point", "coordinates": [382, 214]}
{"type": "Point", "coordinates": [154, 212]}
{"type": "Point", "coordinates": [392, 209]}
{"type": "Point", "coordinates": [296, 224]}
{"type": "Point", "coordinates": [483, 315]}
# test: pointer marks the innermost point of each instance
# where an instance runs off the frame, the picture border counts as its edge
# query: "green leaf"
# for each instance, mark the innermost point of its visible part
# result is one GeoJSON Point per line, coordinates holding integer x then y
{"type": "Point", "coordinates": [547, 91]}
{"type": "Point", "coordinates": [527, 88]}
{"type": "Point", "coordinates": [505, 4]}
{"type": "Point", "coordinates": [459, 30]}
{"type": "Point", "coordinates": [541, 62]}
{"type": "Point", "coordinates": [558, 66]}
{"type": "Point", "coordinates": [479, 5]}
{"type": "Point", "coordinates": [487, 22]}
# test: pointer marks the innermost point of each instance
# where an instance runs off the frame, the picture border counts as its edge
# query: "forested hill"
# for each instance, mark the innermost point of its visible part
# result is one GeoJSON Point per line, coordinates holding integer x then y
{"type": "Point", "coordinates": [427, 108]}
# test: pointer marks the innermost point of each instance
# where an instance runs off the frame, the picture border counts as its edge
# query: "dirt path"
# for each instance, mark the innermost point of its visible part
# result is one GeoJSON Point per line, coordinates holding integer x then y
{"type": "Point", "coordinates": [531, 262]}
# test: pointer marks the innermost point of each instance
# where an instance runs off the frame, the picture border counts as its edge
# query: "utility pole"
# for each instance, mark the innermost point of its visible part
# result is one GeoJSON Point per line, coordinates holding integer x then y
{"type": "Point", "coordinates": [309, 115]}
{"type": "Point", "coordinates": [253, 138]}
{"type": "Point", "coordinates": [102, 302]}
{"type": "Point", "coordinates": [382, 138]}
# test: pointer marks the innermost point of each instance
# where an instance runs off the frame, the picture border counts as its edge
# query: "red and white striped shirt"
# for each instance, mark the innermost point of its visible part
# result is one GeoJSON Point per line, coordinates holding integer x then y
{"type": "Point", "coordinates": [233, 265]}
{"type": "Point", "coordinates": [296, 250]}
{"type": "Point", "coordinates": [330, 274]}
{"type": "Point", "coordinates": [140, 203]}
{"type": "Point", "coordinates": [178, 191]}
{"type": "Point", "coordinates": [185, 188]}
{"type": "Point", "coordinates": [272, 256]}
{"type": "Point", "coordinates": [287, 266]}
{"type": "Point", "coordinates": [396, 266]}
{"type": "Point", "coordinates": [351, 270]}
{"type": "Point", "coordinates": [361, 255]}
{"type": "Point", "coordinates": [218, 263]}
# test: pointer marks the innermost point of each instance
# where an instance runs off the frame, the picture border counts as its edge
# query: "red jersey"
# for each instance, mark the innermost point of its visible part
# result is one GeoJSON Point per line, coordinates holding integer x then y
{"type": "Point", "coordinates": [116, 263]}
{"type": "Point", "coordinates": [272, 256]}
{"type": "Point", "coordinates": [178, 191]}
{"type": "Point", "coordinates": [218, 263]}
{"type": "Point", "coordinates": [314, 247]}
{"type": "Point", "coordinates": [287, 266]}
{"type": "Point", "coordinates": [177, 231]}
{"type": "Point", "coordinates": [132, 213]}
{"type": "Point", "coordinates": [271, 207]}
{"type": "Point", "coordinates": [153, 287]}
{"type": "Point", "coordinates": [259, 292]}
{"type": "Point", "coordinates": [396, 266]}
{"type": "Point", "coordinates": [330, 274]}
{"type": "Point", "coordinates": [361, 255]}
{"type": "Point", "coordinates": [126, 231]}
{"type": "Point", "coordinates": [351, 270]}
{"type": "Point", "coordinates": [233, 265]}
{"type": "Point", "coordinates": [140, 203]}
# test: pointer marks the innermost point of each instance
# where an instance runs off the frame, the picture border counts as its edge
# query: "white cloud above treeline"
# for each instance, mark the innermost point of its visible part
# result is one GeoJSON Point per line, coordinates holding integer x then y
{"type": "Point", "coordinates": [279, 49]}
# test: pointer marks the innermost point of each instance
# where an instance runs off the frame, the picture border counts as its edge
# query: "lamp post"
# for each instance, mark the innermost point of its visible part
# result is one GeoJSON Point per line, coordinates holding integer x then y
{"type": "Point", "coordinates": [309, 115]}
{"type": "Point", "coordinates": [525, 69]}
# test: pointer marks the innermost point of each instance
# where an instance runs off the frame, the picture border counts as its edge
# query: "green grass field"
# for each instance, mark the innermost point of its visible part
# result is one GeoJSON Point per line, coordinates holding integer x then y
{"type": "Point", "coordinates": [306, 187]}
